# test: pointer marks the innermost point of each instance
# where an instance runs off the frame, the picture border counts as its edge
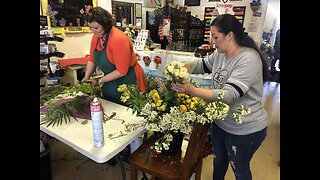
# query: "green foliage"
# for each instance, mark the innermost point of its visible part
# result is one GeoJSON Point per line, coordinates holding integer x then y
{"type": "Point", "coordinates": [47, 94]}
{"type": "Point", "coordinates": [79, 95]}
{"type": "Point", "coordinates": [50, 92]}
{"type": "Point", "coordinates": [59, 113]}
{"type": "Point", "coordinates": [56, 114]}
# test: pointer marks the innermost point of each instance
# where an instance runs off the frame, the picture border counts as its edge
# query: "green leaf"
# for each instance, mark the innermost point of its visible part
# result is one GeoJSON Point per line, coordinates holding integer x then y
{"type": "Point", "coordinates": [84, 122]}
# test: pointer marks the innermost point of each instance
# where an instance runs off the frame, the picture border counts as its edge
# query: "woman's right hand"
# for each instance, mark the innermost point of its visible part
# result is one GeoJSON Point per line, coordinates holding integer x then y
{"type": "Point", "coordinates": [93, 82]}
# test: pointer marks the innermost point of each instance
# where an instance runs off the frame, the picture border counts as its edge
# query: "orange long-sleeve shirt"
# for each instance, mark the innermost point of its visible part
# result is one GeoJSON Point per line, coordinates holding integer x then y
{"type": "Point", "coordinates": [120, 53]}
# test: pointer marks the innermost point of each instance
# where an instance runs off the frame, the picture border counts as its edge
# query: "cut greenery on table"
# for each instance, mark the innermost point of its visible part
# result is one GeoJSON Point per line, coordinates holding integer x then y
{"type": "Point", "coordinates": [59, 102]}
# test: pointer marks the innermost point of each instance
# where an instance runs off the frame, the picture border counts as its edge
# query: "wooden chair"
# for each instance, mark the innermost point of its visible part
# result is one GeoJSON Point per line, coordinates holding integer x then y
{"type": "Point", "coordinates": [178, 166]}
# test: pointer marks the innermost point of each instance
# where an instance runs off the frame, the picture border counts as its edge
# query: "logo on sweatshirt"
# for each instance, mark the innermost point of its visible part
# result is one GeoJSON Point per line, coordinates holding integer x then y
{"type": "Point", "coordinates": [219, 78]}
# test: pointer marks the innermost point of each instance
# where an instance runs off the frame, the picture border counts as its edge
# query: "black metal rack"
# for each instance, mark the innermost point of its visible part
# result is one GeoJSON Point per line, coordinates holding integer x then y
{"type": "Point", "coordinates": [187, 29]}
{"type": "Point", "coordinates": [45, 38]}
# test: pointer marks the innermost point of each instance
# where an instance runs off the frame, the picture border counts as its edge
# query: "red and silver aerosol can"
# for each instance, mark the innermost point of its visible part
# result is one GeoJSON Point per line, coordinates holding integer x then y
{"type": "Point", "coordinates": [97, 122]}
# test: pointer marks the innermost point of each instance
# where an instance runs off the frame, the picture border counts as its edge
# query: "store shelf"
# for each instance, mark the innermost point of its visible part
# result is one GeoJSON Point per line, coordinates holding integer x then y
{"type": "Point", "coordinates": [210, 13]}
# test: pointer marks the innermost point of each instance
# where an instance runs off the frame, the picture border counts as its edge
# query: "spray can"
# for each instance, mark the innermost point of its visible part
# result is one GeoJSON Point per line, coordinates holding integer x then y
{"type": "Point", "coordinates": [97, 122]}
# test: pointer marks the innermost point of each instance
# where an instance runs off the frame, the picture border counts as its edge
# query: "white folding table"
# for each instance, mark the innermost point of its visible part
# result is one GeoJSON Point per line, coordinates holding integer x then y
{"type": "Point", "coordinates": [80, 136]}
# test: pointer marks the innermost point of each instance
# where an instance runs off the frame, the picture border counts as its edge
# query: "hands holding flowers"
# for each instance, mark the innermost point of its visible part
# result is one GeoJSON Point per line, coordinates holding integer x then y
{"type": "Point", "coordinates": [166, 106]}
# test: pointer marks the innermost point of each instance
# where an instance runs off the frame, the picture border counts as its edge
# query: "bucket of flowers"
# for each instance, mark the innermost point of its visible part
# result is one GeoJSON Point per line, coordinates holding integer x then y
{"type": "Point", "coordinates": [167, 111]}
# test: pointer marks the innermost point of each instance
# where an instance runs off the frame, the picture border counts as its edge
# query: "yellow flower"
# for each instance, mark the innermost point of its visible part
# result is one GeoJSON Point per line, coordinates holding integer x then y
{"type": "Point", "coordinates": [192, 106]}
{"type": "Point", "coordinates": [158, 103]}
{"type": "Point", "coordinates": [125, 96]}
{"type": "Point", "coordinates": [122, 88]}
{"type": "Point", "coordinates": [163, 107]}
{"type": "Point", "coordinates": [183, 108]}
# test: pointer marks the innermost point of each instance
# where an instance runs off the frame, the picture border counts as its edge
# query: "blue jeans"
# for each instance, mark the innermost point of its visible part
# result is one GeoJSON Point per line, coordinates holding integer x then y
{"type": "Point", "coordinates": [236, 150]}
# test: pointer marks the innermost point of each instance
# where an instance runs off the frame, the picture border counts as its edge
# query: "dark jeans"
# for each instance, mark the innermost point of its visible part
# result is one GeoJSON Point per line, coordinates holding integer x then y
{"type": "Point", "coordinates": [236, 150]}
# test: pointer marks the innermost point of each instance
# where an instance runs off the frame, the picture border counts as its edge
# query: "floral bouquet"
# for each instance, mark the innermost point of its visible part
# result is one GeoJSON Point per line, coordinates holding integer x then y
{"type": "Point", "coordinates": [167, 111]}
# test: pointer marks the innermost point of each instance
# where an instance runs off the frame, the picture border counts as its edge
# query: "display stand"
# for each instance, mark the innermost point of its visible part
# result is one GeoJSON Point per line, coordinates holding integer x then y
{"type": "Point", "coordinates": [186, 29]}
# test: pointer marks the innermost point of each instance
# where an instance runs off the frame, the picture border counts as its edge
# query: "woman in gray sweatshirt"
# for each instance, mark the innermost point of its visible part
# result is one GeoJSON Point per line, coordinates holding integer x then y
{"type": "Point", "coordinates": [239, 70]}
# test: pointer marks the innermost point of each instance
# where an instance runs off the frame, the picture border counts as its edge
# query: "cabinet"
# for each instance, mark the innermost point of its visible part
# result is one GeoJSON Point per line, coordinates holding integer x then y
{"type": "Point", "coordinates": [210, 13]}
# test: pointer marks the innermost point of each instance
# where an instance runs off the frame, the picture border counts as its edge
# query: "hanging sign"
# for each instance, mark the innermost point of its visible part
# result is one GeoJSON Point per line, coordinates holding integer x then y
{"type": "Point", "coordinates": [225, 7]}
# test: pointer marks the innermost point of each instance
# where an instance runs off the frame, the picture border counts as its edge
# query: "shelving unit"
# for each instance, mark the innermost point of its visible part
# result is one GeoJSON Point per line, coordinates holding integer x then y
{"type": "Point", "coordinates": [210, 13]}
{"type": "Point", "coordinates": [48, 50]}
{"type": "Point", "coordinates": [239, 12]}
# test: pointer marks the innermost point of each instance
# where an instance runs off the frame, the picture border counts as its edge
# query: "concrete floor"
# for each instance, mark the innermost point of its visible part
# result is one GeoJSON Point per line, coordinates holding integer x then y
{"type": "Point", "coordinates": [68, 164]}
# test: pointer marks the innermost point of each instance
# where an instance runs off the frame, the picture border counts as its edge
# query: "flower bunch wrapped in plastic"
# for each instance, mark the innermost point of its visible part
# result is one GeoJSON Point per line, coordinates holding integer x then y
{"type": "Point", "coordinates": [168, 111]}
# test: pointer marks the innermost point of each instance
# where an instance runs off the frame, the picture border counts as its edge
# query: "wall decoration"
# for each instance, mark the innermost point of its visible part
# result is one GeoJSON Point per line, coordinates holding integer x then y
{"type": "Point", "coordinates": [152, 3]}
{"type": "Point", "coordinates": [253, 25]}
{"type": "Point", "coordinates": [138, 10]}
{"type": "Point", "coordinates": [192, 2]}
{"type": "Point", "coordinates": [138, 22]}
{"type": "Point", "coordinates": [68, 12]}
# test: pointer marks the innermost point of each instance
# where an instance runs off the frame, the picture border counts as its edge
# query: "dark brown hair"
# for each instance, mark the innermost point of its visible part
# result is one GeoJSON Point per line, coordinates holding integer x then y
{"type": "Point", "coordinates": [101, 16]}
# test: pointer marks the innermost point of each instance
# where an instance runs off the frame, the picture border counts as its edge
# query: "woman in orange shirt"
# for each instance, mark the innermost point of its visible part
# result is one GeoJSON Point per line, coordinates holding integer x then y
{"type": "Point", "coordinates": [112, 51]}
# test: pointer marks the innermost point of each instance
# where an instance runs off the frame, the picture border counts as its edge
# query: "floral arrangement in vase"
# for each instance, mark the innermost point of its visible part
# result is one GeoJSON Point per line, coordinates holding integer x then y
{"type": "Point", "coordinates": [167, 111]}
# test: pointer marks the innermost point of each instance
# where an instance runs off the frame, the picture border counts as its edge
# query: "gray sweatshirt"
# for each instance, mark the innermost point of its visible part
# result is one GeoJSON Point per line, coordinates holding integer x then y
{"type": "Point", "coordinates": [240, 78]}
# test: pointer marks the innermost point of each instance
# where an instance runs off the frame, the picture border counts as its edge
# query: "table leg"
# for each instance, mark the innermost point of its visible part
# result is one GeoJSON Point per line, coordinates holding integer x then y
{"type": "Point", "coordinates": [122, 169]}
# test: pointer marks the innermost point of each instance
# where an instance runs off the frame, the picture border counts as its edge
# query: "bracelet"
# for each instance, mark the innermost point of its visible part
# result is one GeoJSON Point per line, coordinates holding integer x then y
{"type": "Point", "coordinates": [100, 83]}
